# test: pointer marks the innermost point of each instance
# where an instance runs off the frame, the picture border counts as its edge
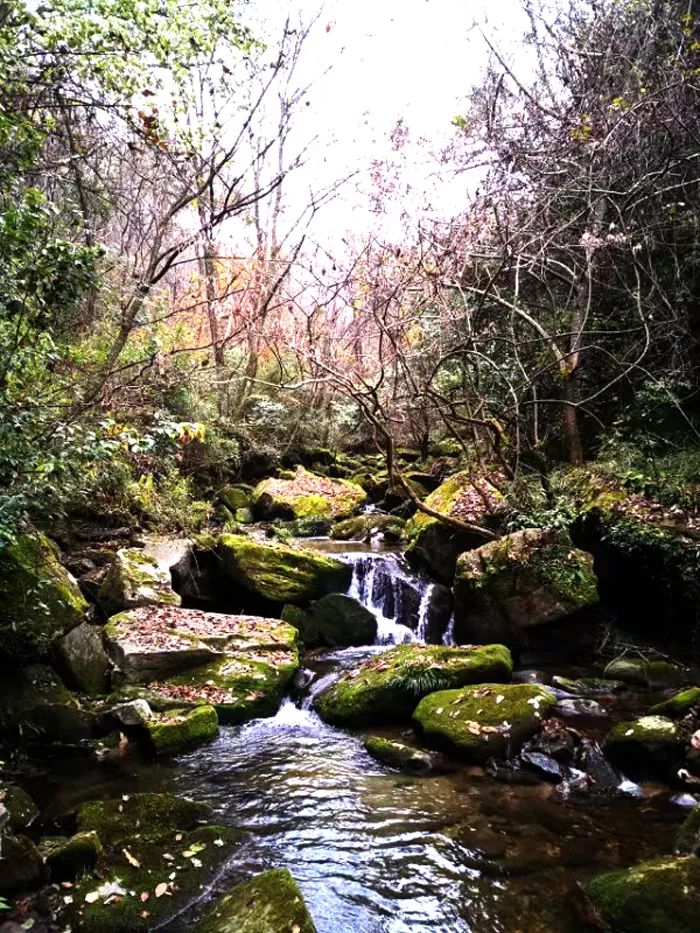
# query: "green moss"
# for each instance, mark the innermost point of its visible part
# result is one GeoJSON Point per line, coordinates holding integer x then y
{"type": "Point", "coordinates": [339, 621]}
{"type": "Point", "coordinates": [279, 573]}
{"type": "Point", "coordinates": [642, 673]}
{"type": "Point", "coordinates": [175, 730]}
{"type": "Point", "coordinates": [183, 862]}
{"type": "Point", "coordinates": [139, 816]}
{"type": "Point", "coordinates": [478, 722]}
{"type": "Point", "coordinates": [41, 601]}
{"type": "Point", "coordinates": [688, 837]}
{"type": "Point", "coordinates": [397, 755]}
{"type": "Point", "coordinates": [679, 704]}
{"type": "Point", "coordinates": [305, 495]}
{"type": "Point", "coordinates": [388, 686]}
{"type": "Point", "coordinates": [363, 527]}
{"type": "Point", "coordinates": [135, 579]}
{"type": "Point", "coordinates": [650, 745]}
{"type": "Point", "coordinates": [268, 903]}
{"type": "Point", "coordinates": [659, 896]}
{"type": "Point", "coordinates": [67, 859]}
{"type": "Point", "coordinates": [235, 497]}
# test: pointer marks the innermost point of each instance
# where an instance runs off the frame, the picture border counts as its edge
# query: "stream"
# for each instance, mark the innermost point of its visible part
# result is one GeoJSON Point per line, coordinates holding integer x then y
{"type": "Point", "coordinates": [376, 851]}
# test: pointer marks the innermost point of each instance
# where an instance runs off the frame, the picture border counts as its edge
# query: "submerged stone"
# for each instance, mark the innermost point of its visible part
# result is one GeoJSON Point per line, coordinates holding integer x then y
{"type": "Point", "coordinates": [306, 495]}
{"type": "Point", "coordinates": [506, 589]}
{"type": "Point", "coordinates": [476, 723]}
{"type": "Point", "coordinates": [267, 903]}
{"type": "Point", "coordinates": [658, 896]}
{"type": "Point", "coordinates": [387, 687]}
{"type": "Point", "coordinates": [41, 600]}
{"type": "Point", "coordinates": [279, 573]}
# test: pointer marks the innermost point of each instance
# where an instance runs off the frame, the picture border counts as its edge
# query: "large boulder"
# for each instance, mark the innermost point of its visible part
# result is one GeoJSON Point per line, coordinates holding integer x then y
{"type": "Point", "coordinates": [82, 659]}
{"type": "Point", "coordinates": [136, 578]}
{"type": "Point", "coordinates": [267, 903]}
{"type": "Point", "coordinates": [305, 495]}
{"type": "Point", "coordinates": [434, 545]}
{"type": "Point", "coordinates": [507, 589]}
{"type": "Point", "coordinates": [40, 600]}
{"type": "Point", "coordinates": [653, 897]}
{"type": "Point", "coordinates": [339, 621]}
{"type": "Point", "coordinates": [387, 687]}
{"type": "Point", "coordinates": [184, 658]}
{"type": "Point", "coordinates": [479, 722]}
{"type": "Point", "coordinates": [278, 573]}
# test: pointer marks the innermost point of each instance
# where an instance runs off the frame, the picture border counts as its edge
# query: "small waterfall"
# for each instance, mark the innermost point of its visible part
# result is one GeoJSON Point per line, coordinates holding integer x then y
{"type": "Point", "coordinates": [423, 613]}
{"type": "Point", "coordinates": [449, 637]}
{"type": "Point", "coordinates": [398, 599]}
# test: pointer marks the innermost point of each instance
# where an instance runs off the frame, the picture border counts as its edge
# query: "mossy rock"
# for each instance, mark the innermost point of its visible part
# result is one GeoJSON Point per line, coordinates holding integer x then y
{"type": "Point", "coordinates": [479, 722]}
{"type": "Point", "coordinates": [267, 903]}
{"type": "Point", "coordinates": [306, 495]}
{"type": "Point", "coordinates": [279, 573]}
{"type": "Point", "coordinates": [240, 686]}
{"type": "Point", "coordinates": [365, 527]}
{"type": "Point", "coordinates": [82, 659]}
{"type": "Point", "coordinates": [173, 731]}
{"type": "Point", "coordinates": [235, 497]}
{"type": "Point", "coordinates": [297, 617]}
{"type": "Point", "coordinates": [504, 590]}
{"type": "Point", "coordinates": [687, 840]}
{"type": "Point", "coordinates": [402, 757]}
{"type": "Point", "coordinates": [679, 704]}
{"type": "Point", "coordinates": [387, 688]}
{"type": "Point", "coordinates": [21, 809]}
{"type": "Point", "coordinates": [68, 859]}
{"type": "Point", "coordinates": [434, 545]}
{"type": "Point", "coordinates": [642, 673]}
{"type": "Point", "coordinates": [649, 745]}
{"type": "Point", "coordinates": [122, 820]}
{"type": "Point", "coordinates": [172, 872]}
{"type": "Point", "coordinates": [659, 896]}
{"type": "Point", "coordinates": [22, 865]}
{"type": "Point", "coordinates": [588, 686]}
{"type": "Point", "coordinates": [41, 600]}
{"type": "Point", "coordinates": [135, 579]}
{"type": "Point", "coordinates": [35, 704]}
{"type": "Point", "coordinates": [244, 516]}
{"type": "Point", "coordinates": [338, 621]}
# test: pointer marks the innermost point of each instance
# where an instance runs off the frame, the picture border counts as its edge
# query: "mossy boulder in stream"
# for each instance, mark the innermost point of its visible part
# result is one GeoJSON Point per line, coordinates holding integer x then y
{"type": "Point", "coordinates": [476, 723]}
{"type": "Point", "coordinates": [306, 495]}
{"type": "Point", "coordinates": [679, 704]}
{"type": "Point", "coordinates": [40, 600]}
{"type": "Point", "coordinates": [506, 589]}
{"type": "Point", "coordinates": [435, 546]}
{"type": "Point", "coordinates": [641, 672]}
{"type": "Point", "coordinates": [366, 527]}
{"type": "Point", "coordinates": [403, 757]}
{"type": "Point", "coordinates": [387, 687]}
{"type": "Point", "coordinates": [175, 730]}
{"type": "Point", "coordinates": [279, 573]}
{"type": "Point", "coordinates": [134, 579]}
{"type": "Point", "coordinates": [649, 745]}
{"type": "Point", "coordinates": [157, 858]}
{"type": "Point", "coordinates": [267, 903]}
{"type": "Point", "coordinates": [660, 896]}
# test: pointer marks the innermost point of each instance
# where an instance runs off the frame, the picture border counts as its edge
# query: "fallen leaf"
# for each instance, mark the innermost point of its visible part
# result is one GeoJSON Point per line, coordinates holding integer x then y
{"type": "Point", "coordinates": [144, 896]}
{"type": "Point", "coordinates": [130, 859]}
{"type": "Point", "coordinates": [162, 889]}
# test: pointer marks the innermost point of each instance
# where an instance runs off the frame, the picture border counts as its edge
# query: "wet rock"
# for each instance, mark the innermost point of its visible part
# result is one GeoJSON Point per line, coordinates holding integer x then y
{"type": "Point", "coordinates": [41, 600]}
{"type": "Point", "coordinates": [438, 613]}
{"type": "Point", "coordinates": [507, 772]}
{"type": "Point", "coordinates": [176, 730]}
{"type": "Point", "coordinates": [588, 686]}
{"type": "Point", "coordinates": [679, 704]}
{"type": "Point", "coordinates": [82, 659]}
{"type": "Point", "coordinates": [338, 621]}
{"type": "Point", "coordinates": [579, 706]}
{"type": "Point", "coordinates": [478, 722]}
{"type": "Point", "coordinates": [21, 811]}
{"type": "Point", "coordinates": [278, 573]}
{"type": "Point", "coordinates": [642, 673]}
{"type": "Point", "coordinates": [35, 704]}
{"type": "Point", "coordinates": [654, 897]}
{"type": "Point", "coordinates": [387, 688]}
{"type": "Point", "coordinates": [267, 903]}
{"type": "Point", "coordinates": [404, 757]}
{"type": "Point", "coordinates": [134, 579]}
{"type": "Point", "coordinates": [435, 546]}
{"type": "Point", "coordinates": [22, 864]}
{"type": "Point", "coordinates": [544, 765]}
{"type": "Point", "coordinates": [306, 495]}
{"type": "Point", "coordinates": [602, 777]}
{"type": "Point", "coordinates": [687, 840]}
{"type": "Point", "coordinates": [686, 801]}
{"type": "Point", "coordinates": [555, 741]}
{"type": "Point", "coordinates": [68, 859]}
{"type": "Point", "coordinates": [650, 745]}
{"type": "Point", "coordinates": [366, 527]}
{"type": "Point", "coordinates": [506, 589]}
